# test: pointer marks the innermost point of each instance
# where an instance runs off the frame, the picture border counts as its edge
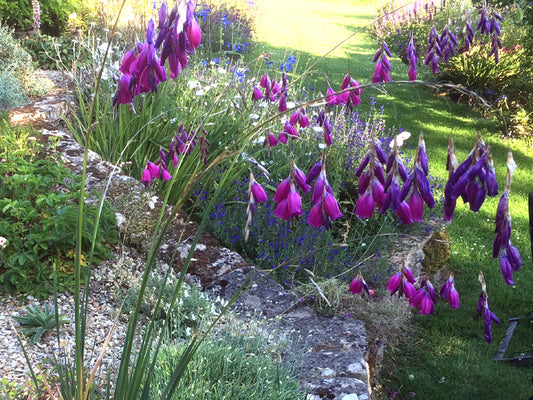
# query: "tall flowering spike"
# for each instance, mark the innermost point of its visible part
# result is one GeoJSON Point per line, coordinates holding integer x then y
{"type": "Point", "coordinates": [411, 55]}
{"type": "Point", "coordinates": [418, 182]}
{"type": "Point", "coordinates": [483, 307]}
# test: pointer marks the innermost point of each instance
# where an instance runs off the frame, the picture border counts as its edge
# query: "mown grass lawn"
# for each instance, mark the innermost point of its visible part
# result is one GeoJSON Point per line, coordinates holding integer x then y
{"type": "Point", "coordinates": [448, 356]}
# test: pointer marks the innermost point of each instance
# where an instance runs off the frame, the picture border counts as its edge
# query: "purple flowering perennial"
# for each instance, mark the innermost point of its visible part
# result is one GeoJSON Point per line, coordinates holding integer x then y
{"type": "Point", "coordinates": [510, 260]}
{"type": "Point", "coordinates": [142, 70]}
{"type": "Point", "coordinates": [483, 308]}
{"type": "Point", "coordinates": [472, 180]}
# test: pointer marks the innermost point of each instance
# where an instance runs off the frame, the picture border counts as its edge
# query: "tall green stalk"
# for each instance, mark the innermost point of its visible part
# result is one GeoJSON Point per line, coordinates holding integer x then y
{"type": "Point", "coordinates": [80, 309]}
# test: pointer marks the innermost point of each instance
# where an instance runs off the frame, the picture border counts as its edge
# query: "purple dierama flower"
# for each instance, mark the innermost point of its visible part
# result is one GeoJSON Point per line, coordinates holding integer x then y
{"type": "Point", "coordinates": [270, 141]}
{"type": "Point", "coordinates": [288, 199]}
{"type": "Point", "coordinates": [418, 182]}
{"type": "Point", "coordinates": [146, 69]}
{"type": "Point", "coordinates": [331, 97]}
{"type": "Point", "coordinates": [290, 131]}
{"type": "Point", "coordinates": [483, 307]}
{"type": "Point", "coordinates": [371, 180]}
{"type": "Point", "coordinates": [447, 41]}
{"type": "Point", "coordinates": [434, 51]}
{"type": "Point", "coordinates": [383, 67]}
{"type": "Point", "coordinates": [424, 297]}
{"type": "Point", "coordinates": [468, 35]}
{"type": "Point", "coordinates": [393, 199]}
{"type": "Point", "coordinates": [448, 292]}
{"type": "Point", "coordinates": [282, 106]}
{"type": "Point", "coordinates": [359, 286]}
{"type": "Point", "coordinates": [411, 55]}
{"type": "Point", "coordinates": [510, 260]}
{"type": "Point", "coordinates": [300, 179]}
{"type": "Point", "coordinates": [472, 180]}
{"type": "Point", "coordinates": [402, 282]}
{"type": "Point", "coordinates": [256, 194]}
{"type": "Point", "coordinates": [257, 94]}
{"type": "Point", "coordinates": [124, 94]}
{"type": "Point", "coordinates": [325, 207]}
{"type": "Point", "coordinates": [353, 97]}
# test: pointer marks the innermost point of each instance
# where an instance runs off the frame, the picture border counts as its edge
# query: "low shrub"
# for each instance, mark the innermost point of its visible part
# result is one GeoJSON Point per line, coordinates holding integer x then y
{"type": "Point", "coordinates": [13, 57]}
{"type": "Point", "coordinates": [239, 366]}
{"type": "Point", "coordinates": [191, 312]}
{"type": "Point", "coordinates": [38, 217]}
{"type": "Point", "coordinates": [11, 91]}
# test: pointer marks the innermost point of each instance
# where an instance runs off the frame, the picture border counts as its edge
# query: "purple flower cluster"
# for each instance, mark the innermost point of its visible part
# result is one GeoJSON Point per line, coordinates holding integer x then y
{"type": "Point", "coordinates": [383, 67]}
{"type": "Point", "coordinates": [142, 71]}
{"type": "Point", "coordinates": [411, 55]}
{"type": "Point", "coordinates": [417, 182]}
{"type": "Point", "coordinates": [423, 298]}
{"type": "Point", "coordinates": [256, 194]}
{"type": "Point", "coordinates": [325, 208]}
{"type": "Point", "coordinates": [510, 260]}
{"type": "Point", "coordinates": [181, 143]}
{"type": "Point", "coordinates": [483, 307]}
{"type": "Point", "coordinates": [434, 51]}
{"type": "Point", "coordinates": [371, 180]}
{"type": "Point", "coordinates": [350, 94]}
{"type": "Point", "coordinates": [448, 292]}
{"type": "Point", "coordinates": [324, 205]}
{"type": "Point", "coordinates": [272, 91]}
{"type": "Point", "coordinates": [473, 179]}
{"type": "Point", "coordinates": [359, 286]}
{"type": "Point", "coordinates": [491, 26]}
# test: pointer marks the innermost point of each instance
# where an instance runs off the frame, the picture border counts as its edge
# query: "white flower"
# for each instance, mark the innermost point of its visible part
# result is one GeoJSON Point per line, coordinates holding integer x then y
{"type": "Point", "coordinates": [3, 242]}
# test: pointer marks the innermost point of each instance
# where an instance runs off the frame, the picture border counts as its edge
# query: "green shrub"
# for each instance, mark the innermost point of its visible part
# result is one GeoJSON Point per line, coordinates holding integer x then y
{"type": "Point", "coordinates": [50, 52]}
{"type": "Point", "coordinates": [38, 217]}
{"type": "Point", "coordinates": [54, 14]}
{"type": "Point", "coordinates": [192, 309]}
{"type": "Point", "coordinates": [11, 91]}
{"type": "Point", "coordinates": [13, 57]}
